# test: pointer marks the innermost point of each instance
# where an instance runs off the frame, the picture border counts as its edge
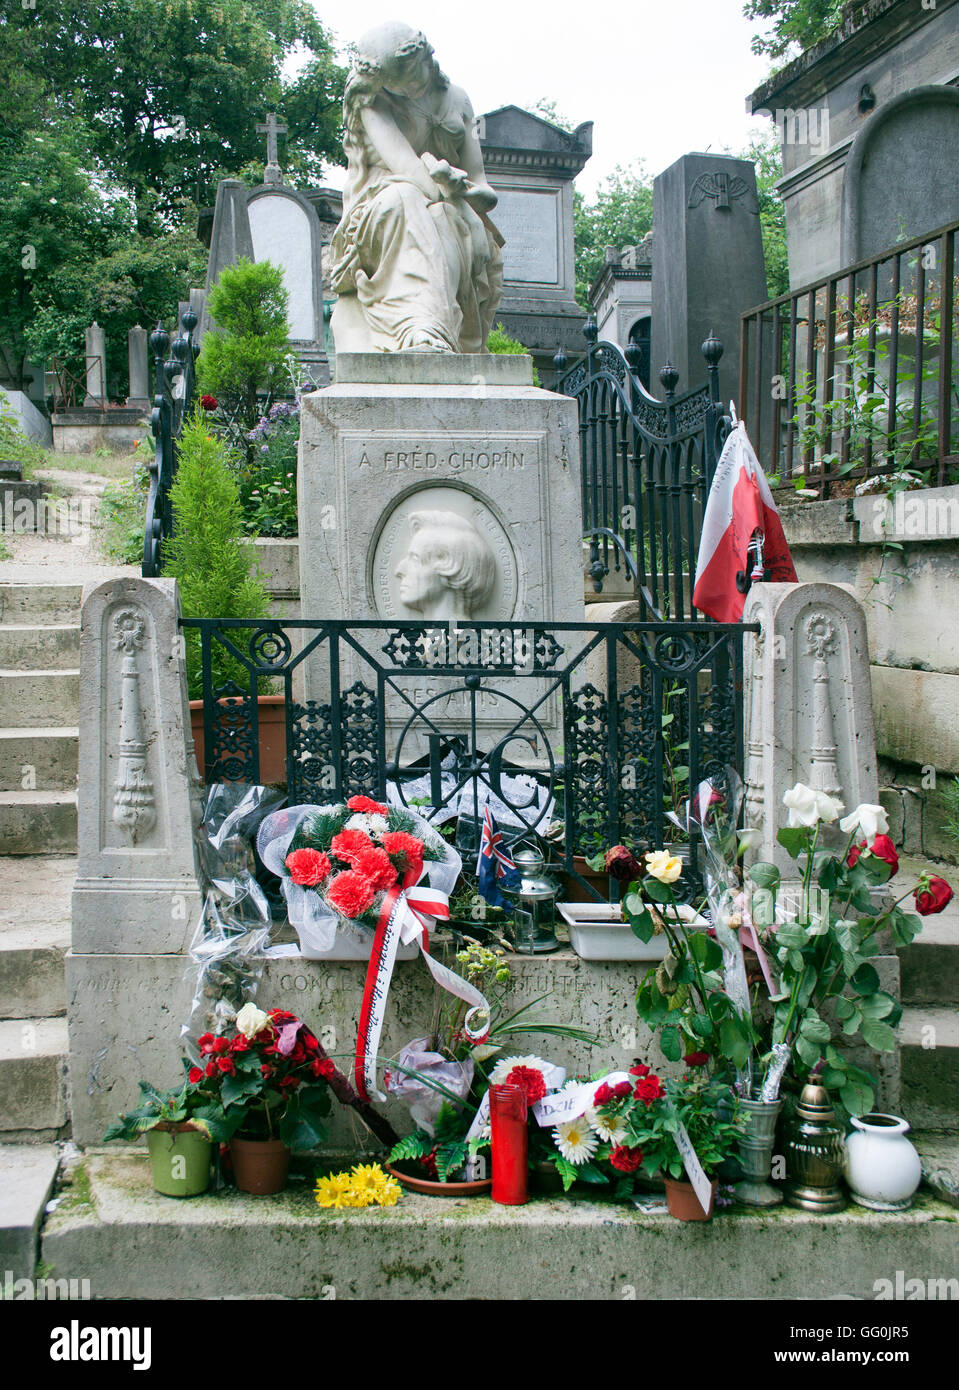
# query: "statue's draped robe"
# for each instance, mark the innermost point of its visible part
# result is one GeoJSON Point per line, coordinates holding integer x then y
{"type": "Point", "coordinates": [414, 267]}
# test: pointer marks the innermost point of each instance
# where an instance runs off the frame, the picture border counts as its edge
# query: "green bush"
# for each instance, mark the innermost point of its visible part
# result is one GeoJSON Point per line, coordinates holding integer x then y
{"type": "Point", "coordinates": [123, 517]}
{"type": "Point", "coordinates": [214, 565]}
{"type": "Point", "coordinates": [499, 341]}
{"type": "Point", "coordinates": [17, 446]}
{"type": "Point", "coordinates": [245, 354]}
{"type": "Point", "coordinates": [268, 483]}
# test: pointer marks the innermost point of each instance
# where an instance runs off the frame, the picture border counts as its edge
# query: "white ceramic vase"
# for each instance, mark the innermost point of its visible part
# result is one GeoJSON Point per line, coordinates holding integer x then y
{"type": "Point", "coordinates": [882, 1165]}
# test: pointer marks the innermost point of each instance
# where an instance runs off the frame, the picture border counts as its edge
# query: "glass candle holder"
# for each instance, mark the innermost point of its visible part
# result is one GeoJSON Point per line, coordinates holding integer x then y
{"type": "Point", "coordinates": [509, 1144]}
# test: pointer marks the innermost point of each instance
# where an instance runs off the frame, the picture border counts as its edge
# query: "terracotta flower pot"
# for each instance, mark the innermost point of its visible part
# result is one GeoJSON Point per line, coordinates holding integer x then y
{"type": "Point", "coordinates": [179, 1159]}
{"type": "Point", "coordinates": [683, 1203]}
{"type": "Point", "coordinates": [575, 892]}
{"type": "Point", "coordinates": [271, 720]}
{"type": "Point", "coordinates": [260, 1166]}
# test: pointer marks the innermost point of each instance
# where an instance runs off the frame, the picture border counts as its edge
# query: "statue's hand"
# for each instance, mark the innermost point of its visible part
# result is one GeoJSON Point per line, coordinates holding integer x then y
{"type": "Point", "coordinates": [481, 197]}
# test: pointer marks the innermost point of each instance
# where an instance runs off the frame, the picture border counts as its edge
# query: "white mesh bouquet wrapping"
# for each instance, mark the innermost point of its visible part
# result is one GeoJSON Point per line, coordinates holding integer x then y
{"type": "Point", "coordinates": [349, 856]}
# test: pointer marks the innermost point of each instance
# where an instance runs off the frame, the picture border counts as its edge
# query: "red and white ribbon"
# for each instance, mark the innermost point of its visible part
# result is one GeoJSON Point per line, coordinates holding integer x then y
{"type": "Point", "coordinates": [407, 914]}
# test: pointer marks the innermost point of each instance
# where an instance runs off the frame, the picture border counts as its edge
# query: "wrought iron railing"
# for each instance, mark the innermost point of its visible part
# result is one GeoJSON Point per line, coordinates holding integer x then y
{"type": "Point", "coordinates": [854, 375]}
{"type": "Point", "coordinates": [172, 403]}
{"type": "Point", "coordinates": [646, 470]}
{"type": "Point", "coordinates": [584, 734]}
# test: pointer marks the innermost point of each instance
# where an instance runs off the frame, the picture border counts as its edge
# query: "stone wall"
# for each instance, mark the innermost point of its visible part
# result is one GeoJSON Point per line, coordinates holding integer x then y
{"type": "Point", "coordinates": [910, 597]}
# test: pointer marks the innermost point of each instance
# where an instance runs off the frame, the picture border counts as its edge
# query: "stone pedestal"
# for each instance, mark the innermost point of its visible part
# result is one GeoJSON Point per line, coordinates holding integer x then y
{"type": "Point", "coordinates": [139, 397]}
{"type": "Point", "coordinates": [96, 358]}
{"type": "Point", "coordinates": [441, 488]}
{"type": "Point", "coordinates": [807, 703]}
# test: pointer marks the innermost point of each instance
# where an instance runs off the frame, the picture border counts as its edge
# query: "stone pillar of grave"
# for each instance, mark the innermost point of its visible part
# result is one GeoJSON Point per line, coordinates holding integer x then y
{"type": "Point", "coordinates": [137, 892]}
{"type": "Point", "coordinates": [96, 359]}
{"type": "Point", "coordinates": [139, 397]}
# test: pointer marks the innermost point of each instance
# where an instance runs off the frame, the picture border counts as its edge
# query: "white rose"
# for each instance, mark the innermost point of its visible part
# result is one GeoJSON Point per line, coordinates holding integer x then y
{"type": "Point", "coordinates": [251, 1020]}
{"type": "Point", "coordinates": [807, 806]}
{"type": "Point", "coordinates": [664, 866]}
{"type": "Point", "coordinates": [871, 821]}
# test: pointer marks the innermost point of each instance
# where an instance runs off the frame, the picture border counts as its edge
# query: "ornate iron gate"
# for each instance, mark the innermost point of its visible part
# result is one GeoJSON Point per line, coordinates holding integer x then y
{"type": "Point", "coordinates": [584, 733]}
{"type": "Point", "coordinates": [646, 470]}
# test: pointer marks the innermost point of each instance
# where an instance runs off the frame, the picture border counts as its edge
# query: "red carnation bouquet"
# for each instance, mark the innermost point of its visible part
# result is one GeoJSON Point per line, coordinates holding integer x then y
{"type": "Point", "coordinates": [338, 863]}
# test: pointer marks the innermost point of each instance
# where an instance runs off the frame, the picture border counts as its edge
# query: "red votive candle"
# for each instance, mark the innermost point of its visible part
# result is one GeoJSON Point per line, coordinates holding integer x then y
{"type": "Point", "coordinates": [508, 1142]}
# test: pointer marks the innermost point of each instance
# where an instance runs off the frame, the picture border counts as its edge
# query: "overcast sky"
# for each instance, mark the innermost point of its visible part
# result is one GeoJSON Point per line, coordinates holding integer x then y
{"type": "Point", "coordinates": [657, 78]}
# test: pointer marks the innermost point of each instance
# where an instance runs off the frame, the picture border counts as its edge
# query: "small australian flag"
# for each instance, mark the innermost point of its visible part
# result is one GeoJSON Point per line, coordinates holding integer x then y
{"type": "Point", "coordinates": [494, 867]}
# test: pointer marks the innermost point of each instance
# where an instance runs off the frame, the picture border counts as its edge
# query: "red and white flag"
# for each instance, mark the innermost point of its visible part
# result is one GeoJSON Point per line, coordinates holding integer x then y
{"type": "Point", "coordinates": [740, 504]}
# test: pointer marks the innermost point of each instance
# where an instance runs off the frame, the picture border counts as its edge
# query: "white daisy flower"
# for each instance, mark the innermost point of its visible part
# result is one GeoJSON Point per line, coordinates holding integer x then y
{"type": "Point", "coordinates": [575, 1140]}
{"type": "Point", "coordinates": [610, 1128]}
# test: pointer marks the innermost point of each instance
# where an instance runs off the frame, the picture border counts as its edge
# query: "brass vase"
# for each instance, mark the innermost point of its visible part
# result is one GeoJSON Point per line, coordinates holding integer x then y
{"type": "Point", "coordinates": [815, 1153]}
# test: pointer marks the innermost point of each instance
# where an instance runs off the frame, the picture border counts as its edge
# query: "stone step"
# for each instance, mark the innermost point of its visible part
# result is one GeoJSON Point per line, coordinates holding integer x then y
{"type": "Point", "coordinates": [40, 603]}
{"type": "Point", "coordinates": [34, 934]}
{"type": "Point", "coordinates": [142, 1245]}
{"type": "Point", "coordinates": [38, 822]}
{"type": "Point", "coordinates": [38, 759]}
{"type": "Point", "coordinates": [929, 1043]}
{"type": "Point", "coordinates": [26, 647]}
{"type": "Point", "coordinates": [33, 1091]}
{"type": "Point", "coordinates": [49, 699]}
{"type": "Point", "coordinates": [27, 1175]}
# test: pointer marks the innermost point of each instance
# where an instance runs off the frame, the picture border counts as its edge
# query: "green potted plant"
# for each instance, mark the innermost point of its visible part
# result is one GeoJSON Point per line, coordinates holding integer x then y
{"type": "Point", "coordinates": [664, 1119]}
{"type": "Point", "coordinates": [181, 1126]}
{"type": "Point", "coordinates": [273, 1086]}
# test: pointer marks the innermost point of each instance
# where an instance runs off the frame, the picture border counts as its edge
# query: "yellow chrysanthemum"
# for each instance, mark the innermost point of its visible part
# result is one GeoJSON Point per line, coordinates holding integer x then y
{"type": "Point", "coordinates": [333, 1191]}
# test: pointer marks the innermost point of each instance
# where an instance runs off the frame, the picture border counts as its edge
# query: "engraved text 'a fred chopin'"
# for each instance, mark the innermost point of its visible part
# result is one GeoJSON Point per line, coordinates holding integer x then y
{"type": "Point", "coordinates": [453, 460]}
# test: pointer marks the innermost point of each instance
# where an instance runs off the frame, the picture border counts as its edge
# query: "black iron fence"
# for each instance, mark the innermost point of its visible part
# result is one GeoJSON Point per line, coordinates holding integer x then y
{"type": "Point", "coordinates": [175, 381]}
{"type": "Point", "coordinates": [854, 376]}
{"type": "Point", "coordinates": [585, 735]}
{"type": "Point", "coordinates": [646, 470]}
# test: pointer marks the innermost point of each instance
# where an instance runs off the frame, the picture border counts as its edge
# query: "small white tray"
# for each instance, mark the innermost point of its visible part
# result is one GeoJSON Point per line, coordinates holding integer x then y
{"type": "Point", "coordinates": [597, 932]}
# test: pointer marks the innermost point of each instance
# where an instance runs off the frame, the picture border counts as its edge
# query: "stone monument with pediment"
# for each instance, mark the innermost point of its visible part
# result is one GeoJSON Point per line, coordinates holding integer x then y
{"type": "Point", "coordinates": [435, 483]}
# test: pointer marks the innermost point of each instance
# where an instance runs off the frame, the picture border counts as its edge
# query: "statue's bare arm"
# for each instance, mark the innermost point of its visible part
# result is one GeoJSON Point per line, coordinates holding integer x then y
{"type": "Point", "coordinates": [482, 197]}
{"type": "Point", "coordinates": [397, 153]}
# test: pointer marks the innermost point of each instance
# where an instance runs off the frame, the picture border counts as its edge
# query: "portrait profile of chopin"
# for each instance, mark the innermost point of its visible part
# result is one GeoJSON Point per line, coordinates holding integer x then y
{"type": "Point", "coordinates": [448, 570]}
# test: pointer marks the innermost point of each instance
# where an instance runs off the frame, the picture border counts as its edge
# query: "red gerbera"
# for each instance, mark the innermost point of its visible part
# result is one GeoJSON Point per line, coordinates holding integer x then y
{"type": "Point", "coordinates": [531, 1081]}
{"type": "Point", "coordinates": [308, 867]}
{"type": "Point", "coordinates": [349, 843]}
{"type": "Point", "coordinates": [375, 865]}
{"type": "Point", "coordinates": [625, 1159]}
{"type": "Point", "coordinates": [350, 894]}
{"type": "Point", "coordinates": [372, 808]}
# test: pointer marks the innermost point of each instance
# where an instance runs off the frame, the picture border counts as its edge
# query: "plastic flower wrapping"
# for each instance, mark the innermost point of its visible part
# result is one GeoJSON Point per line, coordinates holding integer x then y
{"type": "Point", "coordinates": [338, 862]}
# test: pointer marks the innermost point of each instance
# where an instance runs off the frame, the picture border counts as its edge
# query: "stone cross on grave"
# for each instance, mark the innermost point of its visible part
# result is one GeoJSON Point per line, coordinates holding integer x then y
{"type": "Point", "coordinates": [272, 128]}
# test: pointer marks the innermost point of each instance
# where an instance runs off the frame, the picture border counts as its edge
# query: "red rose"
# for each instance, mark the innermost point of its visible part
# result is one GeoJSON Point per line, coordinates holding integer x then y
{"type": "Point", "coordinates": [621, 1089]}
{"type": "Point", "coordinates": [220, 1045]}
{"type": "Point", "coordinates": [209, 402]}
{"type": "Point", "coordinates": [282, 1016]}
{"type": "Point", "coordinates": [350, 894]}
{"type": "Point", "coordinates": [603, 1095]}
{"type": "Point", "coordinates": [626, 1160]}
{"type": "Point", "coordinates": [933, 897]}
{"type": "Point", "coordinates": [882, 847]}
{"type": "Point", "coordinates": [531, 1081]}
{"type": "Point", "coordinates": [226, 1065]}
{"type": "Point", "coordinates": [696, 1059]}
{"type": "Point", "coordinates": [240, 1043]}
{"type": "Point", "coordinates": [326, 1068]}
{"type": "Point", "coordinates": [196, 1074]}
{"type": "Point", "coordinates": [348, 843]}
{"type": "Point", "coordinates": [640, 1070]}
{"type": "Point", "coordinates": [375, 865]}
{"type": "Point", "coordinates": [210, 1069]}
{"type": "Point", "coordinates": [372, 808]}
{"type": "Point", "coordinates": [650, 1088]}
{"type": "Point", "coordinates": [622, 864]}
{"type": "Point", "coordinates": [205, 1043]}
{"type": "Point", "coordinates": [308, 867]}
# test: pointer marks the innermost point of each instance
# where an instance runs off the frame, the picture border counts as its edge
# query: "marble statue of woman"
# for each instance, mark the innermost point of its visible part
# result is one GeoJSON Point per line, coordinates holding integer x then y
{"type": "Point", "coordinates": [415, 260]}
{"type": "Point", "coordinates": [449, 570]}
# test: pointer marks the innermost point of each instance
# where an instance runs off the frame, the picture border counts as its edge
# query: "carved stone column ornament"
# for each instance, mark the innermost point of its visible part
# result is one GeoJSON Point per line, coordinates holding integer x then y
{"type": "Point", "coordinates": [824, 762]}
{"type": "Point", "coordinates": [134, 805]}
{"type": "Point", "coordinates": [755, 757]}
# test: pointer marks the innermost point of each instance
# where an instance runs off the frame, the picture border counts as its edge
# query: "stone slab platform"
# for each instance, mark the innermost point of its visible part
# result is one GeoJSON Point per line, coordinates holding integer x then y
{"type": "Point", "coordinates": [27, 1173]}
{"type": "Point", "coordinates": [133, 1243]}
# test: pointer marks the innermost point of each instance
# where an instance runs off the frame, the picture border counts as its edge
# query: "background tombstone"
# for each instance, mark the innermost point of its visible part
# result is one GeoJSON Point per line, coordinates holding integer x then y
{"type": "Point", "coordinates": [708, 265]}
{"type": "Point", "coordinates": [621, 298]}
{"type": "Point", "coordinates": [531, 164]}
{"type": "Point", "coordinates": [230, 240]}
{"type": "Point", "coordinates": [139, 397]}
{"type": "Point", "coordinates": [96, 359]}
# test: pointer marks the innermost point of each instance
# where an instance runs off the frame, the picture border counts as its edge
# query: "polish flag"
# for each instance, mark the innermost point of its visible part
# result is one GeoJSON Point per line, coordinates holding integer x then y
{"type": "Point", "coordinates": [739, 504]}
